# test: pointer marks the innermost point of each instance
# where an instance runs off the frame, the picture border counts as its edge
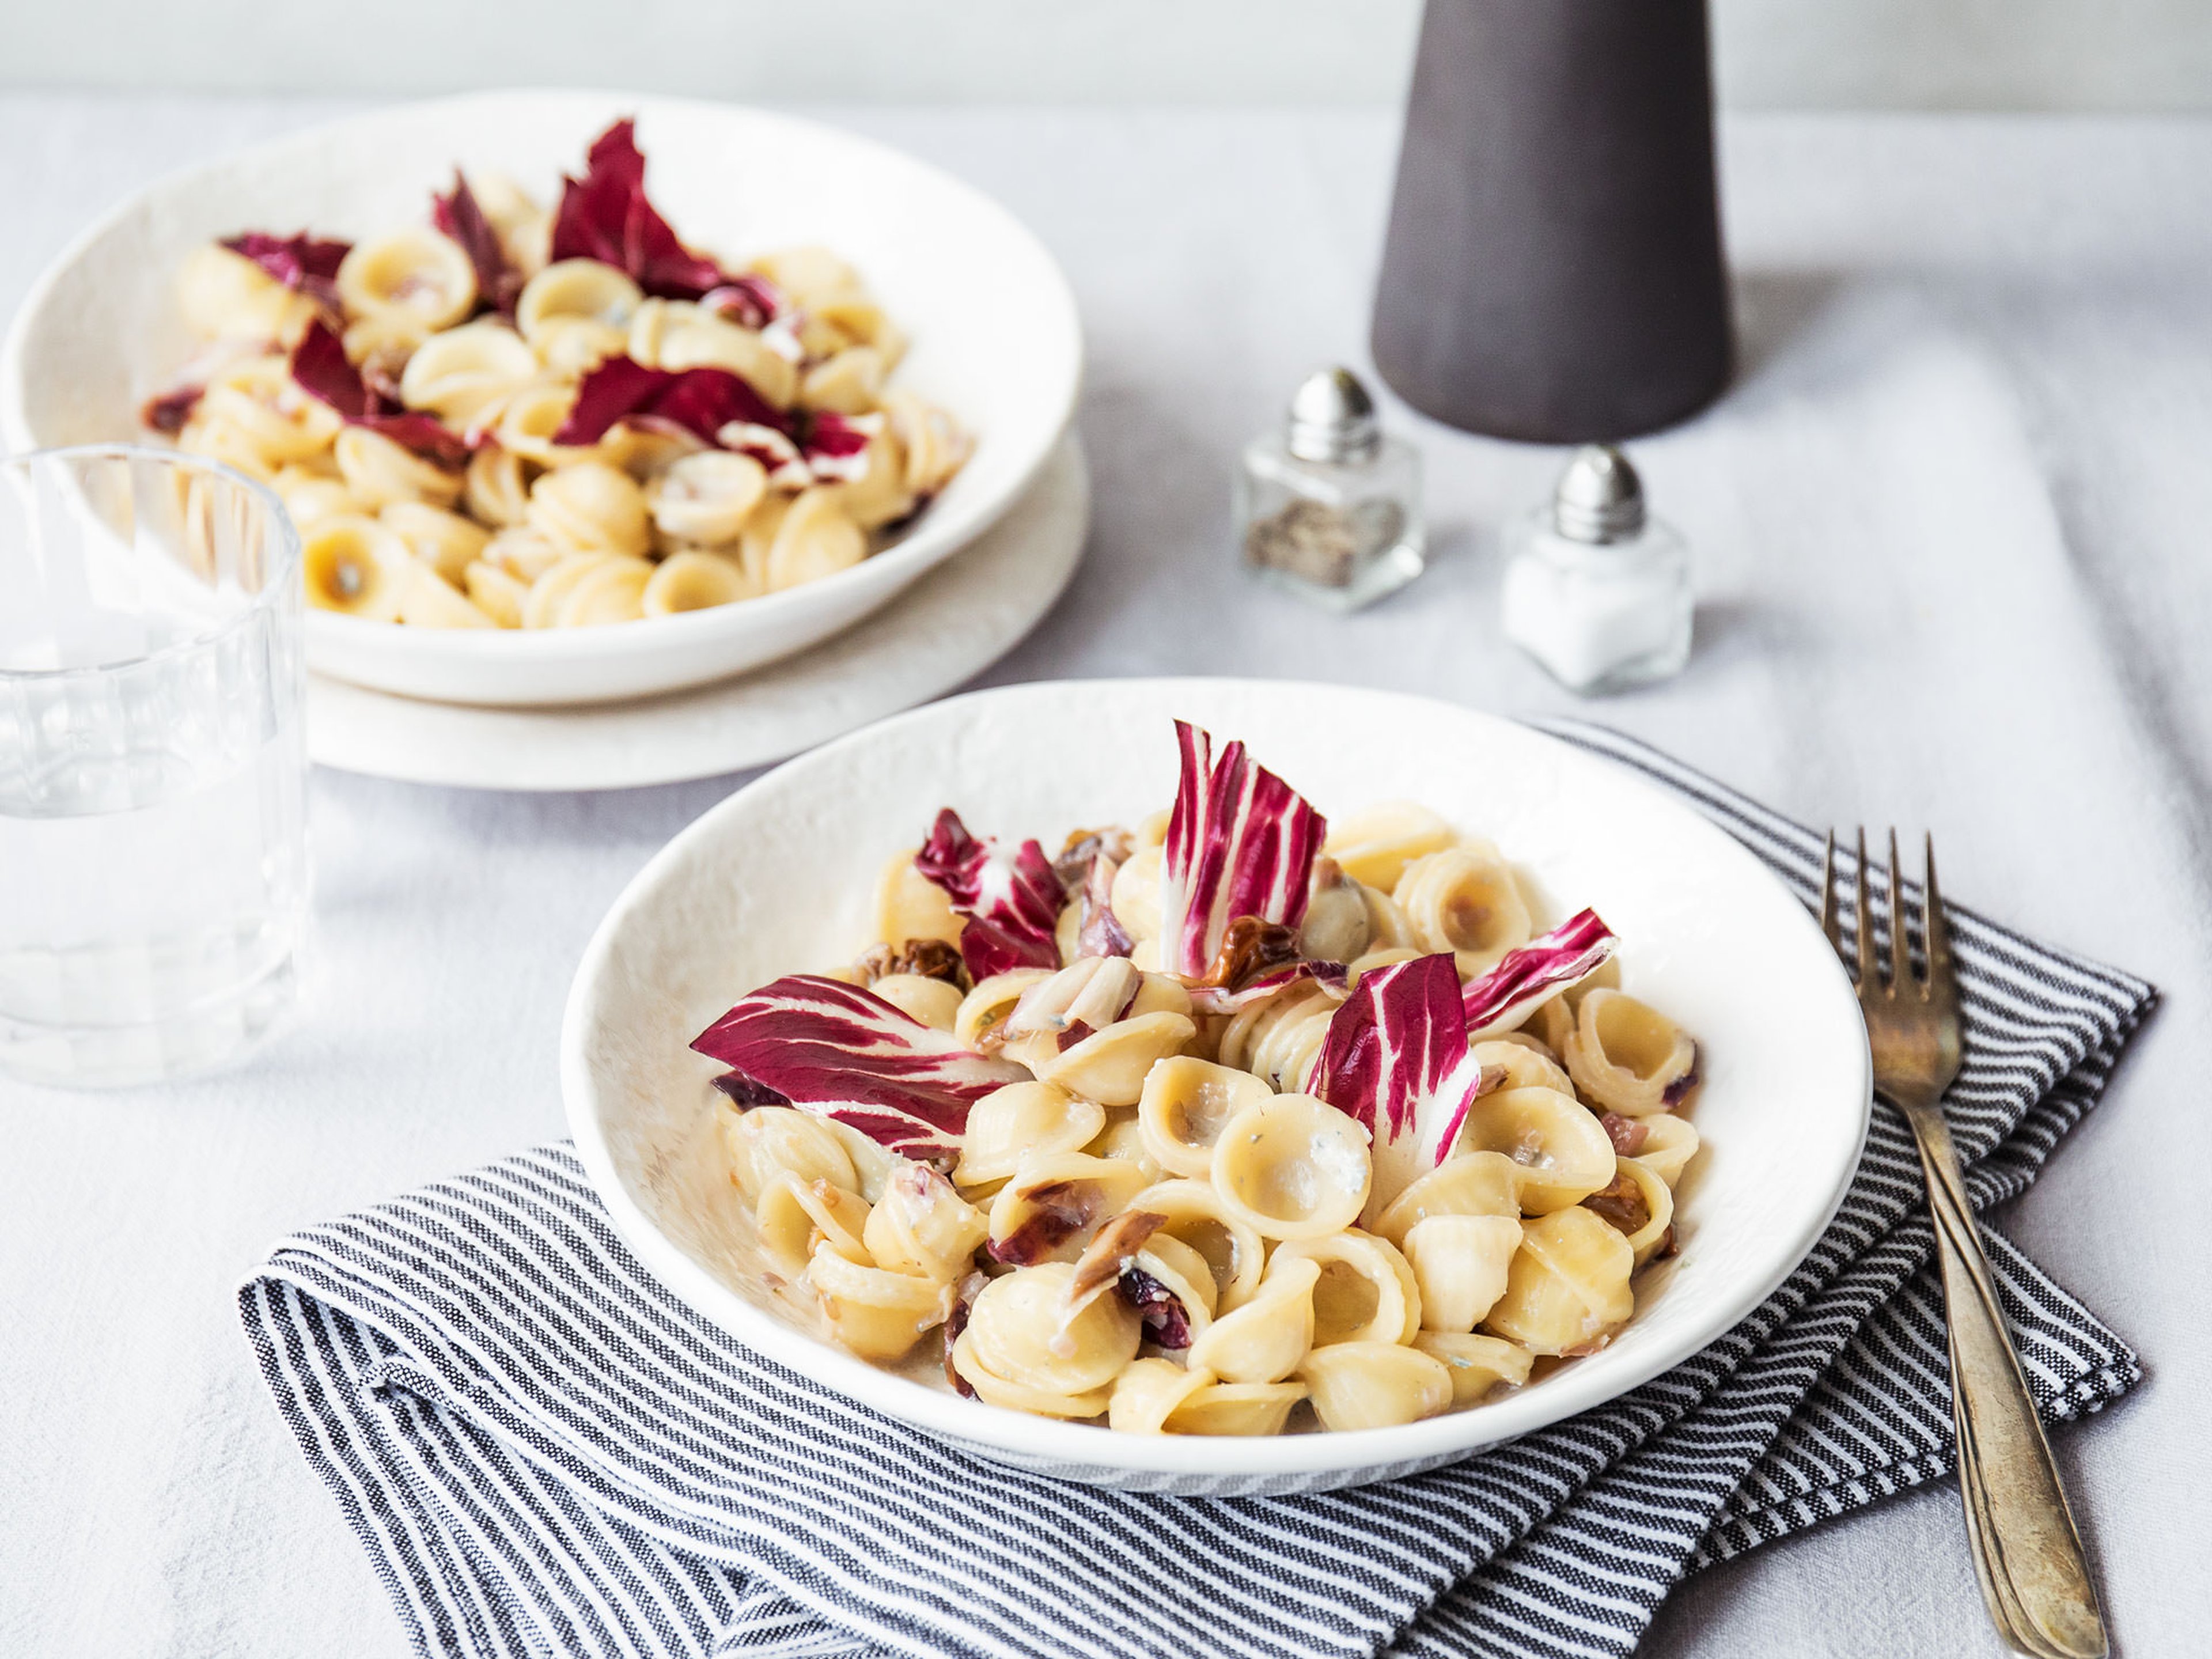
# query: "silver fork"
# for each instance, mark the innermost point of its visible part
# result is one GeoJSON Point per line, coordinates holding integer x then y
{"type": "Point", "coordinates": [2026, 1551]}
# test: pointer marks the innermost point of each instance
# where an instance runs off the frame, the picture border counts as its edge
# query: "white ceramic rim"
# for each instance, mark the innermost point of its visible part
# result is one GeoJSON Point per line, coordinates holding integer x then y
{"type": "Point", "coordinates": [1045, 1441]}
{"type": "Point", "coordinates": [891, 569]}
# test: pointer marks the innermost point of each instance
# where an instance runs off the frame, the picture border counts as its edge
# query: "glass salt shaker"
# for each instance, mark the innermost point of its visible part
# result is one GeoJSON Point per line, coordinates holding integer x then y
{"type": "Point", "coordinates": [1330, 508]}
{"type": "Point", "coordinates": [1596, 590]}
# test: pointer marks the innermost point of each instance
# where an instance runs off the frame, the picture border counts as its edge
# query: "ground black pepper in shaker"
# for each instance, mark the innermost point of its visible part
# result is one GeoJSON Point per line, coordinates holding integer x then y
{"type": "Point", "coordinates": [1553, 267]}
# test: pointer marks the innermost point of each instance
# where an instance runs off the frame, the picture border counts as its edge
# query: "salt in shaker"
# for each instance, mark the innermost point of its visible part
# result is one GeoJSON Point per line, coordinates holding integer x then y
{"type": "Point", "coordinates": [1330, 508]}
{"type": "Point", "coordinates": [1596, 590]}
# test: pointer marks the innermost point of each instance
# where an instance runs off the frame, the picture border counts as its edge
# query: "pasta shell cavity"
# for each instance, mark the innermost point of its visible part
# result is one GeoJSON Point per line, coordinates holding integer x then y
{"type": "Point", "coordinates": [1568, 1288]}
{"type": "Point", "coordinates": [1021, 1328]}
{"type": "Point", "coordinates": [590, 507]}
{"type": "Point", "coordinates": [1375, 1385]}
{"type": "Point", "coordinates": [1054, 1202]}
{"type": "Point", "coordinates": [1375, 846]}
{"type": "Point", "coordinates": [1292, 1166]}
{"type": "Point", "coordinates": [1478, 1365]}
{"type": "Point", "coordinates": [920, 1225]}
{"type": "Point", "coordinates": [1180, 1271]}
{"type": "Point", "coordinates": [1193, 1214]}
{"type": "Point", "coordinates": [354, 566]}
{"type": "Point", "coordinates": [1264, 1340]}
{"type": "Point", "coordinates": [529, 419]}
{"type": "Point", "coordinates": [706, 497]}
{"type": "Point", "coordinates": [1184, 1106]}
{"type": "Point", "coordinates": [1464, 900]}
{"type": "Point", "coordinates": [416, 274]}
{"type": "Point", "coordinates": [1627, 1056]}
{"type": "Point", "coordinates": [1036, 1119]}
{"type": "Point", "coordinates": [878, 1313]}
{"type": "Point", "coordinates": [985, 1010]}
{"type": "Point", "coordinates": [793, 1216]}
{"type": "Point", "coordinates": [769, 1141]}
{"type": "Point", "coordinates": [460, 374]}
{"type": "Point", "coordinates": [1669, 1144]}
{"type": "Point", "coordinates": [579, 289]}
{"type": "Point", "coordinates": [1366, 1291]}
{"type": "Point", "coordinates": [1564, 1152]}
{"type": "Point", "coordinates": [1639, 1204]}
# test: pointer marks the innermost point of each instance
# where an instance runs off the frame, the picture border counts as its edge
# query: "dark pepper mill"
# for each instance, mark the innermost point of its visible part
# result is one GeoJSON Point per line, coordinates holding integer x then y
{"type": "Point", "coordinates": [1553, 269]}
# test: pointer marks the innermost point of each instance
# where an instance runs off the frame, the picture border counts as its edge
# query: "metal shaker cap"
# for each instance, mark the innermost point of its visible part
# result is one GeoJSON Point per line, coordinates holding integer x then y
{"type": "Point", "coordinates": [1599, 498]}
{"type": "Point", "coordinates": [1332, 418]}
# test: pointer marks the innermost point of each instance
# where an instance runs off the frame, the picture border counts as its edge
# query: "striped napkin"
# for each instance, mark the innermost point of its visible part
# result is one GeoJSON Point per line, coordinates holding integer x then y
{"type": "Point", "coordinates": [543, 1451]}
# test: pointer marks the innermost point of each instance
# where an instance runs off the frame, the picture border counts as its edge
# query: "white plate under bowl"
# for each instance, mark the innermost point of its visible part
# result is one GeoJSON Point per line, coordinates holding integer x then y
{"type": "Point", "coordinates": [778, 879]}
{"type": "Point", "coordinates": [995, 341]}
{"type": "Point", "coordinates": [951, 624]}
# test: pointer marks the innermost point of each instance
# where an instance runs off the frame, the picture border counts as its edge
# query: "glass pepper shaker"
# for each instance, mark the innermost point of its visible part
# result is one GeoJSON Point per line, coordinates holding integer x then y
{"type": "Point", "coordinates": [1596, 590]}
{"type": "Point", "coordinates": [1330, 508]}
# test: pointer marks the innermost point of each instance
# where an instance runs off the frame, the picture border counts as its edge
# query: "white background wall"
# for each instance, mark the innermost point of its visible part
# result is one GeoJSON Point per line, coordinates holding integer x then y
{"type": "Point", "coordinates": [2150, 54]}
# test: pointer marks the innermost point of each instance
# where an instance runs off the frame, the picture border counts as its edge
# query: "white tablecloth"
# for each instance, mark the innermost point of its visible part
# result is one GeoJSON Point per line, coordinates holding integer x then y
{"type": "Point", "coordinates": [1949, 533]}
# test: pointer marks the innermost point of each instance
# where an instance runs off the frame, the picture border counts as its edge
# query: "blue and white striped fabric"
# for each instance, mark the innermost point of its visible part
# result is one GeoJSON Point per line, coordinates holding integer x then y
{"type": "Point", "coordinates": [545, 1453]}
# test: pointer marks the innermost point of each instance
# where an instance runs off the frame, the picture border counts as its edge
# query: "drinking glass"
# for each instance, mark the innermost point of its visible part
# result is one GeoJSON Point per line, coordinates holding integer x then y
{"type": "Point", "coordinates": [153, 837]}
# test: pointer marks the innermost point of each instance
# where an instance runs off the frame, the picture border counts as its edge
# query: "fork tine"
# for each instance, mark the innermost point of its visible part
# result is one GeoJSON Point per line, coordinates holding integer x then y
{"type": "Point", "coordinates": [1869, 975]}
{"type": "Point", "coordinates": [1900, 944]}
{"type": "Point", "coordinates": [1830, 922]}
{"type": "Point", "coordinates": [1935, 929]}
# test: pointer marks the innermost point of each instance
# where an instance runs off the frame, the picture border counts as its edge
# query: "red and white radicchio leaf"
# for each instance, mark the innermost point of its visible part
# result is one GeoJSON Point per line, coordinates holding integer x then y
{"type": "Point", "coordinates": [307, 263]}
{"type": "Point", "coordinates": [749, 302]}
{"type": "Point", "coordinates": [700, 401]}
{"type": "Point", "coordinates": [1241, 843]}
{"type": "Point", "coordinates": [458, 216]}
{"type": "Point", "coordinates": [321, 368]}
{"type": "Point", "coordinates": [1526, 977]}
{"type": "Point", "coordinates": [1100, 933]}
{"type": "Point", "coordinates": [836, 446]}
{"type": "Point", "coordinates": [846, 1055]}
{"type": "Point", "coordinates": [1222, 1000]}
{"type": "Point", "coordinates": [1012, 900]}
{"type": "Point", "coordinates": [1395, 1060]}
{"type": "Point", "coordinates": [605, 216]}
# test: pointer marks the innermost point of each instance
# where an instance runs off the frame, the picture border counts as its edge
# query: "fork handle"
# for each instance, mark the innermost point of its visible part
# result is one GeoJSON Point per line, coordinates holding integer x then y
{"type": "Point", "coordinates": [2028, 1552]}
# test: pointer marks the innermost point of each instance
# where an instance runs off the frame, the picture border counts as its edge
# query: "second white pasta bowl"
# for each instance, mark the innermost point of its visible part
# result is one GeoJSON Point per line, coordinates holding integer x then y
{"type": "Point", "coordinates": [995, 341]}
{"type": "Point", "coordinates": [779, 879]}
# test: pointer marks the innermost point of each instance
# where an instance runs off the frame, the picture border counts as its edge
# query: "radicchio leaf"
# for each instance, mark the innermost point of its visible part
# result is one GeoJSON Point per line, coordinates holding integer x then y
{"type": "Point", "coordinates": [749, 302]}
{"type": "Point", "coordinates": [836, 446]}
{"type": "Point", "coordinates": [846, 1055]}
{"type": "Point", "coordinates": [1528, 975]}
{"type": "Point", "coordinates": [1257, 959]}
{"type": "Point", "coordinates": [1241, 843]}
{"type": "Point", "coordinates": [604, 215]}
{"type": "Point", "coordinates": [1100, 933]}
{"type": "Point", "coordinates": [321, 368]}
{"type": "Point", "coordinates": [458, 215]}
{"type": "Point", "coordinates": [307, 263]}
{"type": "Point", "coordinates": [168, 411]}
{"type": "Point", "coordinates": [1012, 901]}
{"type": "Point", "coordinates": [1395, 1059]}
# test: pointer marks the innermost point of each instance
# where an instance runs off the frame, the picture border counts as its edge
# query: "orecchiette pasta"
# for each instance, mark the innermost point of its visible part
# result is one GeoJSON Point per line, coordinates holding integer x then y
{"type": "Point", "coordinates": [1147, 1209]}
{"type": "Point", "coordinates": [760, 441]}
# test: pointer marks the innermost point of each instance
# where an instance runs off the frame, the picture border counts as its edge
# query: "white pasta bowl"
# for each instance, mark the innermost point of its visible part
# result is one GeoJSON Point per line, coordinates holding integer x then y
{"type": "Point", "coordinates": [995, 341]}
{"type": "Point", "coordinates": [778, 879]}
